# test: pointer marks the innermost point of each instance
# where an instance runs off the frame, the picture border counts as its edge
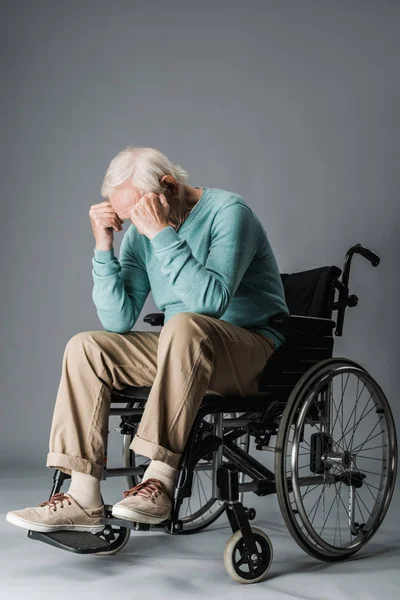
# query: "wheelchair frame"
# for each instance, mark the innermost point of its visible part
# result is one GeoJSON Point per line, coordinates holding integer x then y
{"type": "Point", "coordinates": [309, 343]}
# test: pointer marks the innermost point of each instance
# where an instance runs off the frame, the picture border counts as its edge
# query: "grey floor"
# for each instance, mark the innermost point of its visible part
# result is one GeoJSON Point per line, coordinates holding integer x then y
{"type": "Point", "coordinates": [157, 565]}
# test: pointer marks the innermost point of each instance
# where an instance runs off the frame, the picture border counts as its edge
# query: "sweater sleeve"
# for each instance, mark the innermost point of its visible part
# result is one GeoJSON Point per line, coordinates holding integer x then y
{"type": "Point", "coordinates": [120, 287]}
{"type": "Point", "coordinates": [208, 289]}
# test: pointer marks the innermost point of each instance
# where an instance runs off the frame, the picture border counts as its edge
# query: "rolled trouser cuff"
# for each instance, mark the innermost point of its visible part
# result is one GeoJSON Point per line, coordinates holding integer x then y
{"type": "Point", "coordinates": [154, 451]}
{"type": "Point", "coordinates": [67, 463]}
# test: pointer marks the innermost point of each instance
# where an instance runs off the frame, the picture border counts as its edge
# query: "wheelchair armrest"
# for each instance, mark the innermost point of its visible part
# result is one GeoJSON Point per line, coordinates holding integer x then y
{"type": "Point", "coordinates": [155, 318]}
{"type": "Point", "coordinates": [290, 325]}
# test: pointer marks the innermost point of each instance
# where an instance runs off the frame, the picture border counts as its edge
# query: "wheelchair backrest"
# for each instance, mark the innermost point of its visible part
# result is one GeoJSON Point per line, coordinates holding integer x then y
{"type": "Point", "coordinates": [308, 294]}
{"type": "Point", "coordinates": [311, 293]}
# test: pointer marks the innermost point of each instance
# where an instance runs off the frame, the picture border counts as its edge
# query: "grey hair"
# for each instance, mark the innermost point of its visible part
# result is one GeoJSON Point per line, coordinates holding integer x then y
{"type": "Point", "coordinates": [144, 167]}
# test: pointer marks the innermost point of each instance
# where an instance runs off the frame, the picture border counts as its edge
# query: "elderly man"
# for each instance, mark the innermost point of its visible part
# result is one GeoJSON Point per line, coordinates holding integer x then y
{"type": "Point", "coordinates": [207, 260]}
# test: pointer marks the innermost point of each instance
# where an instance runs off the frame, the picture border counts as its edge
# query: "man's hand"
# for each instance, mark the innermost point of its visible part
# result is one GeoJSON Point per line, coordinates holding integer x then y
{"type": "Point", "coordinates": [150, 214]}
{"type": "Point", "coordinates": [104, 222]}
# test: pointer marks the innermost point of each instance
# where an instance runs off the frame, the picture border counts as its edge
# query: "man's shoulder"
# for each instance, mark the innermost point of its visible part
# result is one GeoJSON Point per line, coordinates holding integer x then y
{"type": "Point", "coordinates": [224, 198]}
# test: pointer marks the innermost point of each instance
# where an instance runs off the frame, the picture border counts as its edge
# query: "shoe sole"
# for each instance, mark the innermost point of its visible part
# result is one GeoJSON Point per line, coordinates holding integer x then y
{"type": "Point", "coordinates": [133, 515]}
{"type": "Point", "coordinates": [49, 528]}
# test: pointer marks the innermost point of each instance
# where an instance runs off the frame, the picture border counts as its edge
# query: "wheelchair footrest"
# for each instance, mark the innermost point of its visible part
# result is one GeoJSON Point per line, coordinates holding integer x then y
{"type": "Point", "coordinates": [82, 542]}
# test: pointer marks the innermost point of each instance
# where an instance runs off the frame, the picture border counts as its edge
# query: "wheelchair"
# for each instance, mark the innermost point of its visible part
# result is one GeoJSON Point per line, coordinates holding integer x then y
{"type": "Point", "coordinates": [323, 420]}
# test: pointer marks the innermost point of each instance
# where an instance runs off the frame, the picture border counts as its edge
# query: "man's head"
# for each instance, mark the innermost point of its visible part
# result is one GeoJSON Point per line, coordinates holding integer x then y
{"type": "Point", "coordinates": [136, 171]}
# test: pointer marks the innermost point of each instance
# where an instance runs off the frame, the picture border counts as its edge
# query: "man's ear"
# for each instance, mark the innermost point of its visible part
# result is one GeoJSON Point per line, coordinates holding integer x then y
{"type": "Point", "coordinates": [166, 190]}
{"type": "Point", "coordinates": [166, 183]}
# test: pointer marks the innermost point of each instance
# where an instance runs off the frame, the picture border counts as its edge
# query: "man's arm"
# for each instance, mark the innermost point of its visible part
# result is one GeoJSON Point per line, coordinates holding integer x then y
{"type": "Point", "coordinates": [208, 289]}
{"type": "Point", "coordinates": [120, 287]}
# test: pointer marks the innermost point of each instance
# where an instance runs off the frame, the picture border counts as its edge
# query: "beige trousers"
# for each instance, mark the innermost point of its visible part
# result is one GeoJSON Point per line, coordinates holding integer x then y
{"type": "Point", "coordinates": [192, 354]}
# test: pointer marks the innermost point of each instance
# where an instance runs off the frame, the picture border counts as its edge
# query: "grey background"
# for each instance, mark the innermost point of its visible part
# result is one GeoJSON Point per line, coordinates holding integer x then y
{"type": "Point", "coordinates": [294, 105]}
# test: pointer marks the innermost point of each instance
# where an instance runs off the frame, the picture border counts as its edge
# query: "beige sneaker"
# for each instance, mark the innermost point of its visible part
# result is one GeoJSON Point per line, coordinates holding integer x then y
{"type": "Point", "coordinates": [61, 512]}
{"type": "Point", "coordinates": [146, 502]}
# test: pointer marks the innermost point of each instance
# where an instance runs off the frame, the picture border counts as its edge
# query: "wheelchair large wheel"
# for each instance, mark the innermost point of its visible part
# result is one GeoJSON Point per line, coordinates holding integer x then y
{"type": "Point", "coordinates": [336, 459]}
{"type": "Point", "coordinates": [201, 509]}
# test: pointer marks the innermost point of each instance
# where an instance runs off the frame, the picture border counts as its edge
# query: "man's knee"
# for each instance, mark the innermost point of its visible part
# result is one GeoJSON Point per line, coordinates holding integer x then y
{"type": "Point", "coordinates": [80, 340]}
{"type": "Point", "coordinates": [185, 329]}
{"type": "Point", "coordinates": [183, 323]}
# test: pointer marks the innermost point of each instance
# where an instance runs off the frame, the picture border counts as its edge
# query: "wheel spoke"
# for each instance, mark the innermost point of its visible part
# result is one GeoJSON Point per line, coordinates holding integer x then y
{"type": "Point", "coordinates": [327, 516]}
{"type": "Point", "coordinates": [364, 416]}
{"type": "Point", "coordinates": [359, 447]}
{"type": "Point", "coordinates": [359, 508]}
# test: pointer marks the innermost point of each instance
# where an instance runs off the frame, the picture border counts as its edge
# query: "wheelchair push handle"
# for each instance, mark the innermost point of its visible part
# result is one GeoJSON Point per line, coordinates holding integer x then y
{"type": "Point", "coordinates": [345, 299]}
{"type": "Point", "coordinates": [373, 258]}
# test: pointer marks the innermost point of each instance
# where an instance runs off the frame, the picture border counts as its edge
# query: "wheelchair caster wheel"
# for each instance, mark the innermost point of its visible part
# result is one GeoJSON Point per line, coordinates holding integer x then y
{"type": "Point", "coordinates": [116, 536]}
{"type": "Point", "coordinates": [244, 568]}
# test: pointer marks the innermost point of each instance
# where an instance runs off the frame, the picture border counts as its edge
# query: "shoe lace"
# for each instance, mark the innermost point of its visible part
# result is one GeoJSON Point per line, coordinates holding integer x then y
{"type": "Point", "coordinates": [149, 488]}
{"type": "Point", "coordinates": [52, 503]}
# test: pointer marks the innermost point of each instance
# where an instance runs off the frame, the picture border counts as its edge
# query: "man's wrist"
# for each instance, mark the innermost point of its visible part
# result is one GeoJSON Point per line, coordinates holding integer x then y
{"type": "Point", "coordinates": [103, 248]}
{"type": "Point", "coordinates": [154, 232]}
{"type": "Point", "coordinates": [104, 256]}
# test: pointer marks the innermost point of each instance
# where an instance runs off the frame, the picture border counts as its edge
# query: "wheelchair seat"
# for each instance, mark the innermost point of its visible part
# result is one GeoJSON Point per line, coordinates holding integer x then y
{"type": "Point", "coordinates": [309, 296]}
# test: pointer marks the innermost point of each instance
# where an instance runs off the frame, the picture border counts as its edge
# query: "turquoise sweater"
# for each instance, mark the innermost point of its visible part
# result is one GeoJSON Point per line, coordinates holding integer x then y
{"type": "Point", "coordinates": [219, 263]}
